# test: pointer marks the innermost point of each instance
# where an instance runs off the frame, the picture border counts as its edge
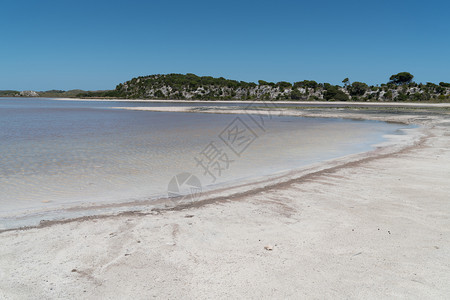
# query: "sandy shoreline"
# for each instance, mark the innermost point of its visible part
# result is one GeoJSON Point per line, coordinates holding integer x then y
{"type": "Point", "coordinates": [328, 103]}
{"type": "Point", "coordinates": [364, 227]}
{"type": "Point", "coordinates": [78, 212]}
{"type": "Point", "coordinates": [237, 102]}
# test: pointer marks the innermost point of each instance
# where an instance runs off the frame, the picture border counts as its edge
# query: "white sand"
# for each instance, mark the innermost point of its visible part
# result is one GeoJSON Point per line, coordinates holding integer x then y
{"type": "Point", "coordinates": [375, 228]}
{"type": "Point", "coordinates": [299, 103]}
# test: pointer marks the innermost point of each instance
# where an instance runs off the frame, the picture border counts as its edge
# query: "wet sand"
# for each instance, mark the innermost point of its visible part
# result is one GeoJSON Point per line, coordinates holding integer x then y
{"type": "Point", "coordinates": [368, 225]}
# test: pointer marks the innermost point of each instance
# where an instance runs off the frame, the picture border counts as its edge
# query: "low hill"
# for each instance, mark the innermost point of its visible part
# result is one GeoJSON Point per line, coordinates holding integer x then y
{"type": "Point", "coordinates": [9, 93]}
{"type": "Point", "coordinates": [190, 86]}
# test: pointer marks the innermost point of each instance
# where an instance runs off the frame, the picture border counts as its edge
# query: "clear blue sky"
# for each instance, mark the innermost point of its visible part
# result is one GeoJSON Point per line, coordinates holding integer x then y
{"type": "Point", "coordinates": [98, 44]}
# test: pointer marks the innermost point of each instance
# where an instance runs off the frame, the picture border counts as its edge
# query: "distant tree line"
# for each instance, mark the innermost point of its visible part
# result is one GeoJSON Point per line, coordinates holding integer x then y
{"type": "Point", "coordinates": [400, 87]}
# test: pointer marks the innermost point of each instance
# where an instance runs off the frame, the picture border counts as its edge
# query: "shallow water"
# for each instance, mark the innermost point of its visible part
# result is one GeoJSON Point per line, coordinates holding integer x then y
{"type": "Point", "coordinates": [64, 153]}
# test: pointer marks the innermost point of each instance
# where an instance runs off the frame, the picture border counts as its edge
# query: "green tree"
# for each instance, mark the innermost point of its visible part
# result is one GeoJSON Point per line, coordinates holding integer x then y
{"type": "Point", "coordinates": [346, 81]}
{"type": "Point", "coordinates": [388, 95]}
{"type": "Point", "coordinates": [159, 94]}
{"type": "Point", "coordinates": [334, 93]}
{"type": "Point", "coordinates": [262, 82]}
{"type": "Point", "coordinates": [401, 97]}
{"type": "Point", "coordinates": [295, 95]}
{"type": "Point", "coordinates": [357, 88]}
{"type": "Point", "coordinates": [306, 84]}
{"type": "Point", "coordinates": [401, 78]}
{"type": "Point", "coordinates": [284, 85]}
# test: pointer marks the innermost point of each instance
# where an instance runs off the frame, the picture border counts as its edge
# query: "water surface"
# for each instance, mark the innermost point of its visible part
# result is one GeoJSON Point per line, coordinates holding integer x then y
{"type": "Point", "coordinates": [57, 154]}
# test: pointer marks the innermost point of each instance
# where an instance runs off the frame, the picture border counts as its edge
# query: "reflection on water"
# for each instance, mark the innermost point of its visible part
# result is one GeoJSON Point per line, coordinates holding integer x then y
{"type": "Point", "coordinates": [62, 152]}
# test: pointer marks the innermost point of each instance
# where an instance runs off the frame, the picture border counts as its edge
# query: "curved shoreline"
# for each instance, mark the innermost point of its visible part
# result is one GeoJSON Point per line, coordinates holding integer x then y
{"type": "Point", "coordinates": [372, 226]}
{"type": "Point", "coordinates": [233, 191]}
